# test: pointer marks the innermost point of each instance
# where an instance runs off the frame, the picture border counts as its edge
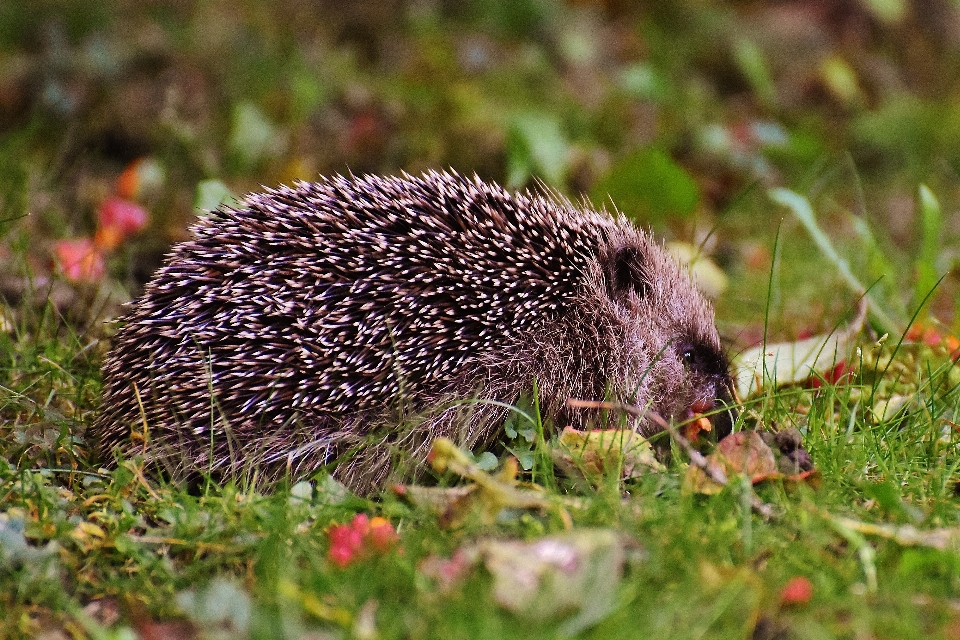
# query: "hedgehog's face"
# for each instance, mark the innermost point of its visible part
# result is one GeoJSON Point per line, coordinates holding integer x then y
{"type": "Point", "coordinates": [672, 358]}
{"type": "Point", "coordinates": [704, 385]}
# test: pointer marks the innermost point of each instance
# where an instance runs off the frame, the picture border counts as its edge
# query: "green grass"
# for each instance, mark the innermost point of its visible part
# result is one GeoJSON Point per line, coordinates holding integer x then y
{"type": "Point", "coordinates": [75, 541]}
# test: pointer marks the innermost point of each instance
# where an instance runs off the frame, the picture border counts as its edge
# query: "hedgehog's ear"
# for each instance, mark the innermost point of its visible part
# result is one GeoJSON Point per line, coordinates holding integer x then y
{"type": "Point", "coordinates": [626, 273]}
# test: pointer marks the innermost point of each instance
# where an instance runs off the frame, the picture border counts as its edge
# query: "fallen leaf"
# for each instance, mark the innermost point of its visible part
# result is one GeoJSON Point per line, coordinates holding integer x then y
{"type": "Point", "coordinates": [697, 480]}
{"type": "Point", "coordinates": [888, 408]}
{"type": "Point", "coordinates": [592, 454]}
{"type": "Point", "coordinates": [143, 175]}
{"type": "Point", "coordinates": [129, 180]}
{"type": "Point", "coordinates": [318, 608]}
{"type": "Point", "coordinates": [740, 453]}
{"type": "Point", "coordinates": [117, 219]}
{"type": "Point", "coordinates": [495, 492]}
{"type": "Point", "coordinates": [745, 453]}
{"type": "Point", "coordinates": [452, 505]}
{"type": "Point", "coordinates": [88, 535]}
{"type": "Point", "coordinates": [573, 572]}
{"type": "Point", "coordinates": [942, 539]}
{"type": "Point", "coordinates": [794, 362]}
{"type": "Point", "coordinates": [447, 572]}
{"type": "Point", "coordinates": [148, 629]}
{"type": "Point", "coordinates": [708, 277]}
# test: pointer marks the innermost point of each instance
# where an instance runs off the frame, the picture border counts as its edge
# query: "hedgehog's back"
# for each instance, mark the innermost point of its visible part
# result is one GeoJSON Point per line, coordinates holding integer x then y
{"type": "Point", "coordinates": [295, 322]}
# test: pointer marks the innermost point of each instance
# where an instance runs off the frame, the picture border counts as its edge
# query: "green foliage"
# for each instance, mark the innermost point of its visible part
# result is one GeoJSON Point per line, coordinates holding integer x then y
{"type": "Point", "coordinates": [648, 185]}
{"type": "Point", "coordinates": [536, 146]}
{"type": "Point", "coordinates": [931, 225]}
{"type": "Point", "coordinates": [910, 132]}
{"type": "Point", "coordinates": [211, 194]}
{"type": "Point", "coordinates": [253, 138]}
{"type": "Point", "coordinates": [256, 563]}
{"type": "Point", "coordinates": [753, 65]}
{"type": "Point", "coordinates": [927, 262]}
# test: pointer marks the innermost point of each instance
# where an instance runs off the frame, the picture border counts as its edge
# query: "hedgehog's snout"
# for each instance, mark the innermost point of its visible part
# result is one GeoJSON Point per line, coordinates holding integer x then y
{"type": "Point", "coordinates": [707, 375]}
{"type": "Point", "coordinates": [715, 402]}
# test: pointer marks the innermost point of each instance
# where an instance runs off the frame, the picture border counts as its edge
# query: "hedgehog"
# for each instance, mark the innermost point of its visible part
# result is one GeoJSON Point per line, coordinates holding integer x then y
{"type": "Point", "coordinates": [344, 324]}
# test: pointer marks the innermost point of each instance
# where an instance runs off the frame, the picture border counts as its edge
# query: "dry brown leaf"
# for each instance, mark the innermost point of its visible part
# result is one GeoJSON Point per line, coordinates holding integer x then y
{"type": "Point", "coordinates": [742, 453]}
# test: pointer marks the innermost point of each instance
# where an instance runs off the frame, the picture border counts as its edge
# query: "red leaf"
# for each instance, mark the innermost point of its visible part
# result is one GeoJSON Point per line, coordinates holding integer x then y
{"type": "Point", "coordinates": [360, 538]}
{"type": "Point", "coordinates": [118, 219]}
{"type": "Point", "coordinates": [841, 372]}
{"type": "Point", "coordinates": [129, 180]}
{"type": "Point", "coordinates": [79, 260]}
{"type": "Point", "coordinates": [799, 590]}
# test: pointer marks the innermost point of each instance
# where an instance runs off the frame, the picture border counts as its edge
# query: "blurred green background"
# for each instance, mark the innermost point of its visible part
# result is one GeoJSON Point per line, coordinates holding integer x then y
{"type": "Point", "coordinates": [683, 113]}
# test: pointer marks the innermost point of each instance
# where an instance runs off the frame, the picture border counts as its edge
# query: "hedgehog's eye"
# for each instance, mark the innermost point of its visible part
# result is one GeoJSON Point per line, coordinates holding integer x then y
{"type": "Point", "coordinates": [692, 356]}
{"type": "Point", "coordinates": [701, 358]}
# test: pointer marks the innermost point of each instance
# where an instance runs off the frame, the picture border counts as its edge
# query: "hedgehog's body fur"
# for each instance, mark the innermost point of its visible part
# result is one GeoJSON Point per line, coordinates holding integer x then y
{"type": "Point", "coordinates": [287, 331]}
